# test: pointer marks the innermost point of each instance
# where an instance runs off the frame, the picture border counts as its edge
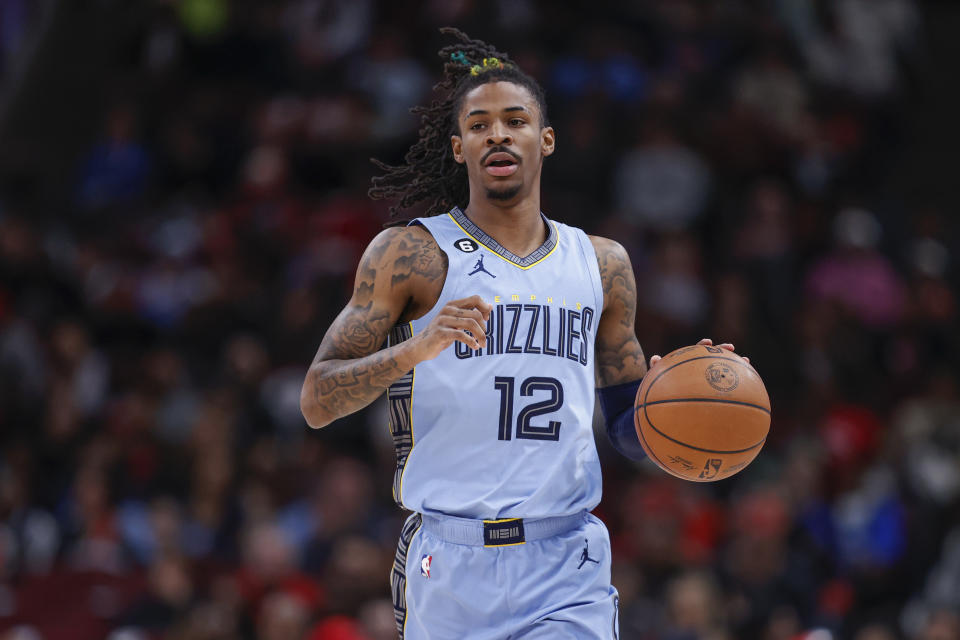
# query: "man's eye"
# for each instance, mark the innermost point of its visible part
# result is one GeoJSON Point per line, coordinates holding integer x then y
{"type": "Point", "coordinates": [477, 125]}
{"type": "Point", "coordinates": [516, 122]}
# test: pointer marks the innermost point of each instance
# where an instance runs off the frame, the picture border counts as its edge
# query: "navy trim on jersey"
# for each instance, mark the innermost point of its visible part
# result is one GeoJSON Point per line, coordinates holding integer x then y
{"type": "Point", "coordinates": [399, 396]}
{"type": "Point", "coordinates": [478, 233]}
{"type": "Point", "coordinates": [398, 574]}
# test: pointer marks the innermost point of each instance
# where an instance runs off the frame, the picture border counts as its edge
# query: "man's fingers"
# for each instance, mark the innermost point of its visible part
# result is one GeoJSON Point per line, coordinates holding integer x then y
{"type": "Point", "coordinates": [654, 360]}
{"type": "Point", "coordinates": [709, 343]}
{"type": "Point", "coordinates": [467, 339]}
{"type": "Point", "coordinates": [464, 312]}
{"type": "Point", "coordinates": [473, 302]}
{"type": "Point", "coordinates": [467, 324]}
{"type": "Point", "coordinates": [458, 318]}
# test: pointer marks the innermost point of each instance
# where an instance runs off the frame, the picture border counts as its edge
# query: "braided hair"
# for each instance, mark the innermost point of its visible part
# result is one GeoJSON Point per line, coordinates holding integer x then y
{"type": "Point", "coordinates": [429, 173]}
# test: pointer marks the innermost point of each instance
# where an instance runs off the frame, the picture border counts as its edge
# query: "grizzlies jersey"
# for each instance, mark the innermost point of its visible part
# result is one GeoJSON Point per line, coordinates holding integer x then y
{"type": "Point", "coordinates": [504, 431]}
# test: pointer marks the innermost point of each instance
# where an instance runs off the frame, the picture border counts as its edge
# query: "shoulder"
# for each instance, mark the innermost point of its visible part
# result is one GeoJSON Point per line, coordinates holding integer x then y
{"type": "Point", "coordinates": [607, 247]}
{"type": "Point", "coordinates": [400, 240]}
{"type": "Point", "coordinates": [616, 272]}
{"type": "Point", "coordinates": [405, 250]}
{"type": "Point", "coordinates": [611, 256]}
{"type": "Point", "coordinates": [409, 263]}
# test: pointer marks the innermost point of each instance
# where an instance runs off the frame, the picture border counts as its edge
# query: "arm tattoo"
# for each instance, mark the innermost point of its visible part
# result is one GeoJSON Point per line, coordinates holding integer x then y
{"type": "Point", "coordinates": [419, 257]}
{"type": "Point", "coordinates": [619, 356]}
{"type": "Point", "coordinates": [349, 370]}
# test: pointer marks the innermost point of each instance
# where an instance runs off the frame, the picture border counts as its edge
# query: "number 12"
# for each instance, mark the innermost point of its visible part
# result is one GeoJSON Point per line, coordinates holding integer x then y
{"type": "Point", "coordinates": [525, 430]}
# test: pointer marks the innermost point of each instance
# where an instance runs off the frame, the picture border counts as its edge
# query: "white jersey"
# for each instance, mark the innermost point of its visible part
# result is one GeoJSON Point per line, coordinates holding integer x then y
{"type": "Point", "coordinates": [504, 431]}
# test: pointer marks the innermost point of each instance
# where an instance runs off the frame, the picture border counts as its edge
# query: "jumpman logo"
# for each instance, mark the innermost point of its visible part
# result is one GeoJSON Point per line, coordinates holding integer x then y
{"type": "Point", "coordinates": [585, 555]}
{"type": "Point", "coordinates": [479, 267]}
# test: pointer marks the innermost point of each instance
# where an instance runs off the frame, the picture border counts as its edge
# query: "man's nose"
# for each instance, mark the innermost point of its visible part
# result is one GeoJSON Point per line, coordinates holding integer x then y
{"type": "Point", "coordinates": [498, 134]}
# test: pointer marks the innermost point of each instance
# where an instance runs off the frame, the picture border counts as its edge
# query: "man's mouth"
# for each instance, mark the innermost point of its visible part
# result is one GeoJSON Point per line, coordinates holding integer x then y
{"type": "Point", "coordinates": [501, 164]}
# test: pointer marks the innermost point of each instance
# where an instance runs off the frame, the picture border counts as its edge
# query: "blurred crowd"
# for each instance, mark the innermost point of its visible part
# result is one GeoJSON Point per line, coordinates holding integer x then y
{"type": "Point", "coordinates": [157, 479]}
{"type": "Point", "coordinates": [19, 19]}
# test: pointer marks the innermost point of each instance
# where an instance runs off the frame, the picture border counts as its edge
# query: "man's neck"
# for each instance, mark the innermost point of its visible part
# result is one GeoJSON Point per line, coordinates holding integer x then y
{"type": "Point", "coordinates": [518, 227]}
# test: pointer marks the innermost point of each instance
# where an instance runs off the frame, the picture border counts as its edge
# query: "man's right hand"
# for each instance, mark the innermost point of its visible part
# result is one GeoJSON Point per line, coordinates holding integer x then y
{"type": "Point", "coordinates": [451, 324]}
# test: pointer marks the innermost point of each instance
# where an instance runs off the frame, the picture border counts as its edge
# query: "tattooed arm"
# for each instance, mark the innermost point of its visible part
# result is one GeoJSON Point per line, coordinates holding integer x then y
{"type": "Point", "coordinates": [620, 361]}
{"type": "Point", "coordinates": [618, 353]}
{"type": "Point", "coordinates": [400, 277]}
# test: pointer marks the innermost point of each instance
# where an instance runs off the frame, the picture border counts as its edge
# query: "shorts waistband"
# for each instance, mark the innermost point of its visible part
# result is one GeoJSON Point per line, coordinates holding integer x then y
{"type": "Point", "coordinates": [498, 533]}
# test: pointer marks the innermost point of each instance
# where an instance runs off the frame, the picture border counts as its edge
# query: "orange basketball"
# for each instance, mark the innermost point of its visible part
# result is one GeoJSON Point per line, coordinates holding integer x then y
{"type": "Point", "coordinates": [702, 413]}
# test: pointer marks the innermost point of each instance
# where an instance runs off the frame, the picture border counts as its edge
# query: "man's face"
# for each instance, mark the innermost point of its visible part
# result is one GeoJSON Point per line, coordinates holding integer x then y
{"type": "Point", "coordinates": [501, 141]}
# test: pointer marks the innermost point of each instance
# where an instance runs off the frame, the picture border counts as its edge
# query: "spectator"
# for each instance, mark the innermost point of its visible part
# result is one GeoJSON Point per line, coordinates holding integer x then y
{"type": "Point", "coordinates": [116, 171]}
{"type": "Point", "coordinates": [661, 183]}
{"type": "Point", "coordinates": [856, 275]}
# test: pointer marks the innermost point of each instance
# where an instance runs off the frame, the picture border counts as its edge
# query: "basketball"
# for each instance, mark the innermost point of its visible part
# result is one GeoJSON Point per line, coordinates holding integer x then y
{"type": "Point", "coordinates": [702, 413]}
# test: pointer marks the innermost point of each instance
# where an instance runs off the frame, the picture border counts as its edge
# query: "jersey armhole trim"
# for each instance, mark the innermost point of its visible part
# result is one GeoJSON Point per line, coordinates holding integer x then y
{"type": "Point", "coordinates": [593, 266]}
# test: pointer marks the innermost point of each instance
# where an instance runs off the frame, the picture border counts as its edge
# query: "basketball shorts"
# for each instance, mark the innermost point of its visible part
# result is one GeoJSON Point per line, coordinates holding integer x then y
{"type": "Point", "coordinates": [460, 579]}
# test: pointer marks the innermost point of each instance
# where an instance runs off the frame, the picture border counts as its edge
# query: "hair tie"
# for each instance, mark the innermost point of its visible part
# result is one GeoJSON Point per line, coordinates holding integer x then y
{"type": "Point", "coordinates": [475, 70]}
{"type": "Point", "coordinates": [458, 57]}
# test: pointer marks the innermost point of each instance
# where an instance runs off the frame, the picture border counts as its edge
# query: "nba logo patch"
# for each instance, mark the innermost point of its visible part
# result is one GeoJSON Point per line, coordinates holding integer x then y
{"type": "Point", "coordinates": [425, 566]}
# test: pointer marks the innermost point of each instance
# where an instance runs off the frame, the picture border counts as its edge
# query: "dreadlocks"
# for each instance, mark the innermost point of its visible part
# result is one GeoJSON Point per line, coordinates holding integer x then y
{"type": "Point", "coordinates": [429, 172]}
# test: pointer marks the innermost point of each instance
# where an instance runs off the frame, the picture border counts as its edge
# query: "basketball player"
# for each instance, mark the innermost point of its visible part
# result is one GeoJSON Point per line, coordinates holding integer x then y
{"type": "Point", "coordinates": [500, 325]}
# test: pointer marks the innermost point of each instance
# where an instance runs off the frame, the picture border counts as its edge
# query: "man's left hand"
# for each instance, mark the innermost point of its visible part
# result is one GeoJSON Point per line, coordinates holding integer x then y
{"type": "Point", "coordinates": [708, 343]}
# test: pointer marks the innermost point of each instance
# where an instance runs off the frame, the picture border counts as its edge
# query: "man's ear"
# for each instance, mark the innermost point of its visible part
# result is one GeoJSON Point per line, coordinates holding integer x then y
{"type": "Point", "coordinates": [548, 140]}
{"type": "Point", "coordinates": [456, 143]}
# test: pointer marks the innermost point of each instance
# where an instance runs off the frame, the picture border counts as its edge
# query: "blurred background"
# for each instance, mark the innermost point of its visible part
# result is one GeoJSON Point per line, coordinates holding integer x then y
{"type": "Point", "coordinates": [182, 208]}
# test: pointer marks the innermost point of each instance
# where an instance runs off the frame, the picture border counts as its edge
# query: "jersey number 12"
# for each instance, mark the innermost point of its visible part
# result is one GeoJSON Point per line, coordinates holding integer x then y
{"type": "Point", "coordinates": [526, 430]}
